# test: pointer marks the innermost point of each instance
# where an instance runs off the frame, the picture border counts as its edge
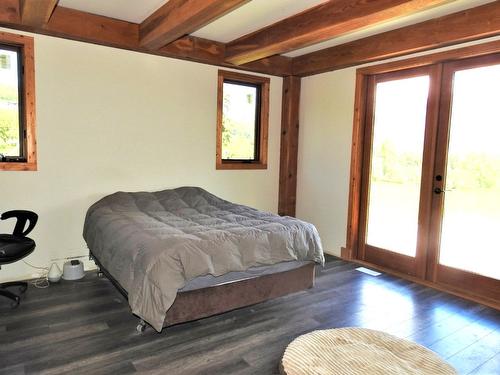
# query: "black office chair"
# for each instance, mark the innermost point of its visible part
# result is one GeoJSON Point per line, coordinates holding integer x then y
{"type": "Point", "coordinates": [16, 246]}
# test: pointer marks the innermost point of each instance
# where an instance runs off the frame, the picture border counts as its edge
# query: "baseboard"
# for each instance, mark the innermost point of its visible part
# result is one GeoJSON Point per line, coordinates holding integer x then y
{"type": "Point", "coordinates": [333, 253]}
{"type": "Point", "coordinates": [346, 254]}
{"type": "Point", "coordinates": [88, 265]}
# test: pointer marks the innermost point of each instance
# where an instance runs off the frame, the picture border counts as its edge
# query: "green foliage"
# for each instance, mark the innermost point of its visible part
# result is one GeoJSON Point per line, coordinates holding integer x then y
{"type": "Point", "coordinates": [237, 142]}
{"type": "Point", "coordinates": [8, 93]}
{"type": "Point", "coordinates": [393, 166]}
{"type": "Point", "coordinates": [9, 120]}
{"type": "Point", "coordinates": [473, 171]}
{"type": "Point", "coordinates": [470, 171]}
{"type": "Point", "coordinates": [9, 131]}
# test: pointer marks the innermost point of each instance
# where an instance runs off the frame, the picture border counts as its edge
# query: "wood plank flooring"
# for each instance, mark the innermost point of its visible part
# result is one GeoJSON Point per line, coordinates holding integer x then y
{"type": "Point", "coordinates": [86, 327]}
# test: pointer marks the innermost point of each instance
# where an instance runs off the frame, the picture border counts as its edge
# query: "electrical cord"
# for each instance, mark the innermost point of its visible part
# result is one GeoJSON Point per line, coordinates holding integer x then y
{"type": "Point", "coordinates": [41, 282]}
{"type": "Point", "coordinates": [74, 257]}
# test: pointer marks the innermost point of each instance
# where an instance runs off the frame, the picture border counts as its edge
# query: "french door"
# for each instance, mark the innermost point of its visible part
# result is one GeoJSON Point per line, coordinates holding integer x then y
{"type": "Point", "coordinates": [430, 186]}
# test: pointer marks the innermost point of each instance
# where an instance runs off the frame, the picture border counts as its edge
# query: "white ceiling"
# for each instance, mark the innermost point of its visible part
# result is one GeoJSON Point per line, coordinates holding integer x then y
{"type": "Point", "coordinates": [252, 16]}
{"type": "Point", "coordinates": [257, 14]}
{"type": "Point", "coordinates": [245, 19]}
{"type": "Point", "coordinates": [128, 10]}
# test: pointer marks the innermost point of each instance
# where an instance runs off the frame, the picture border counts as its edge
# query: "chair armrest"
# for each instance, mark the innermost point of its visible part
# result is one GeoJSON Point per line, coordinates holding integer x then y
{"type": "Point", "coordinates": [22, 218]}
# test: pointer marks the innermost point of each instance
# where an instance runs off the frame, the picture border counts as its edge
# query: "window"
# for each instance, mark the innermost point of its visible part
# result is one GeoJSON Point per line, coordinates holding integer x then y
{"type": "Point", "coordinates": [17, 103]}
{"type": "Point", "coordinates": [242, 121]}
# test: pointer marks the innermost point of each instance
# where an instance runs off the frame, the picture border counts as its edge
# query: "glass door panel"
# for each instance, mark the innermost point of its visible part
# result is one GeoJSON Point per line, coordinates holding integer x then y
{"type": "Point", "coordinates": [429, 197]}
{"type": "Point", "coordinates": [471, 215]}
{"type": "Point", "coordinates": [400, 109]}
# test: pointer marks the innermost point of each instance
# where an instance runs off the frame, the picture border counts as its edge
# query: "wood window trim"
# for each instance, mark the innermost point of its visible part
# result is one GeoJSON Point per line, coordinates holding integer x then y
{"type": "Point", "coordinates": [28, 92]}
{"type": "Point", "coordinates": [350, 251]}
{"type": "Point", "coordinates": [264, 83]}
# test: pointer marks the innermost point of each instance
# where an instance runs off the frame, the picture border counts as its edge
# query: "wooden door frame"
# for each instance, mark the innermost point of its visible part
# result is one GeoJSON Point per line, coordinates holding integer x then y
{"type": "Point", "coordinates": [437, 272]}
{"type": "Point", "coordinates": [414, 266]}
{"type": "Point", "coordinates": [351, 250]}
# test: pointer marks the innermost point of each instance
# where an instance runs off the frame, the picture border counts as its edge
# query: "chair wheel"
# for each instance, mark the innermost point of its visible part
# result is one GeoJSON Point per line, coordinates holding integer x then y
{"type": "Point", "coordinates": [15, 303]}
{"type": "Point", "coordinates": [141, 326]}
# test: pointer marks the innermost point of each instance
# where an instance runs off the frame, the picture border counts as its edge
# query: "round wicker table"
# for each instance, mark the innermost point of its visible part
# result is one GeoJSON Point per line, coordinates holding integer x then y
{"type": "Point", "coordinates": [359, 351]}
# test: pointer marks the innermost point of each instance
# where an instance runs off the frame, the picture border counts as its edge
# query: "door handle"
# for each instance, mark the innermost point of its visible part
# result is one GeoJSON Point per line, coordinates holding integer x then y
{"type": "Point", "coordinates": [439, 190]}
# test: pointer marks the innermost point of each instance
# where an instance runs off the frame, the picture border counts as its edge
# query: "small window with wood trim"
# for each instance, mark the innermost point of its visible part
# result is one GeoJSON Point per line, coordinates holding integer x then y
{"type": "Point", "coordinates": [17, 122]}
{"type": "Point", "coordinates": [242, 121]}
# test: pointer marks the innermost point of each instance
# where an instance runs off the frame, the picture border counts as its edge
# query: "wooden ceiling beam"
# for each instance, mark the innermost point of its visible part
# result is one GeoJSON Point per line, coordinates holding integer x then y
{"type": "Point", "coordinates": [212, 52]}
{"type": "Point", "coordinates": [36, 13]}
{"type": "Point", "coordinates": [320, 23]}
{"type": "Point", "coordinates": [86, 27]}
{"type": "Point", "coordinates": [178, 18]}
{"type": "Point", "coordinates": [468, 25]}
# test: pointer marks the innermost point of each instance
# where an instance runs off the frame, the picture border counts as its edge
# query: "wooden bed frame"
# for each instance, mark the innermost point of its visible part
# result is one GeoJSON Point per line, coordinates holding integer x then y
{"type": "Point", "coordinates": [201, 303]}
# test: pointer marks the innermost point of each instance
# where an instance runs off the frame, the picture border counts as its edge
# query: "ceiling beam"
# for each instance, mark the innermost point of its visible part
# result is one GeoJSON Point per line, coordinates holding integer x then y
{"type": "Point", "coordinates": [178, 18]}
{"type": "Point", "coordinates": [212, 52]}
{"type": "Point", "coordinates": [87, 27]}
{"type": "Point", "coordinates": [36, 12]}
{"type": "Point", "coordinates": [91, 28]}
{"type": "Point", "coordinates": [320, 23]}
{"type": "Point", "coordinates": [468, 25]}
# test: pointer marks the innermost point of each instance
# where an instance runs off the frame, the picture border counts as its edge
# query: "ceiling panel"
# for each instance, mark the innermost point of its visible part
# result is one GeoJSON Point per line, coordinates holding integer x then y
{"type": "Point", "coordinates": [127, 10]}
{"type": "Point", "coordinates": [252, 16]}
{"type": "Point", "coordinates": [452, 7]}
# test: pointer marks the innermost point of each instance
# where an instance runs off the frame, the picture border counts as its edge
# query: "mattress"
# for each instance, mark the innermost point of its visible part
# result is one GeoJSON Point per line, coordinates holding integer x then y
{"type": "Point", "coordinates": [207, 281]}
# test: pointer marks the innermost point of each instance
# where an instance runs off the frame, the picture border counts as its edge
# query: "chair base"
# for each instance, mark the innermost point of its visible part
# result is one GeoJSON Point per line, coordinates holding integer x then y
{"type": "Point", "coordinates": [8, 294]}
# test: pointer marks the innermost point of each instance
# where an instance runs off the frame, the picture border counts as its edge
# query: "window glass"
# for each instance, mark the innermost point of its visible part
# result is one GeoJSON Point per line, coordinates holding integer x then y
{"type": "Point", "coordinates": [10, 126]}
{"type": "Point", "coordinates": [239, 121]}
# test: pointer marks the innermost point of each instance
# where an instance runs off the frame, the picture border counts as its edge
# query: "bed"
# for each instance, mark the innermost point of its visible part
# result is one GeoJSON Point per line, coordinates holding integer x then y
{"type": "Point", "coordinates": [184, 254]}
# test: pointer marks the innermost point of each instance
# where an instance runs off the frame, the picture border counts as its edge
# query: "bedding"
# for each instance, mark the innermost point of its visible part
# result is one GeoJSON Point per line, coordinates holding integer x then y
{"type": "Point", "coordinates": [154, 243]}
{"type": "Point", "coordinates": [207, 281]}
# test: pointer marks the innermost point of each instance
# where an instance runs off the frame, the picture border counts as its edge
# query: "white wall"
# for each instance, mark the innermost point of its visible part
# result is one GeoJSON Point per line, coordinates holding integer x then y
{"type": "Point", "coordinates": [109, 120]}
{"type": "Point", "coordinates": [326, 110]}
{"type": "Point", "coordinates": [326, 120]}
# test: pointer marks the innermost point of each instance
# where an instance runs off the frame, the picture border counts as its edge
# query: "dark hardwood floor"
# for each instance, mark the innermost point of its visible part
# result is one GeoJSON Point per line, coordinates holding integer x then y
{"type": "Point", "coordinates": [86, 327]}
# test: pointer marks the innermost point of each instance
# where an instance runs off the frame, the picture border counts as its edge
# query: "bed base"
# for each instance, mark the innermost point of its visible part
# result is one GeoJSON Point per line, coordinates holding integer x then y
{"type": "Point", "coordinates": [201, 303]}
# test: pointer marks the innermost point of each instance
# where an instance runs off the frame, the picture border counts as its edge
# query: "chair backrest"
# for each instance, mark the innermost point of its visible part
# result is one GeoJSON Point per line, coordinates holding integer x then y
{"type": "Point", "coordinates": [22, 217]}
